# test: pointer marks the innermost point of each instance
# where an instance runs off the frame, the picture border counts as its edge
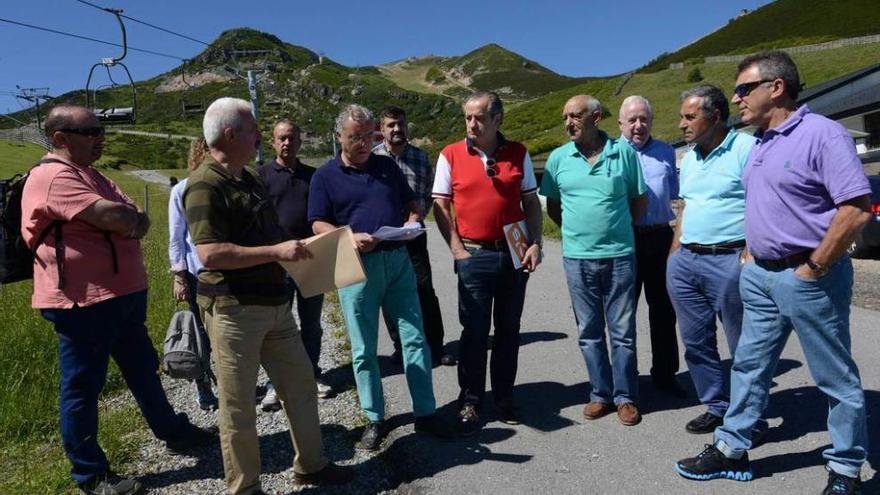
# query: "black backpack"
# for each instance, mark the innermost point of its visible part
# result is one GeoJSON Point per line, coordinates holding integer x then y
{"type": "Point", "coordinates": [16, 258]}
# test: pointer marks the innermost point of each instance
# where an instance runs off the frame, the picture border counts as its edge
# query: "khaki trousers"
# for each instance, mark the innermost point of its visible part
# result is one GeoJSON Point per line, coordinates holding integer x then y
{"type": "Point", "coordinates": [242, 338]}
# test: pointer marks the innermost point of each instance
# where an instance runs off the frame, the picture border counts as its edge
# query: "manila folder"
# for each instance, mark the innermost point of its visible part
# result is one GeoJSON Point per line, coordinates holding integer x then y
{"type": "Point", "coordinates": [335, 263]}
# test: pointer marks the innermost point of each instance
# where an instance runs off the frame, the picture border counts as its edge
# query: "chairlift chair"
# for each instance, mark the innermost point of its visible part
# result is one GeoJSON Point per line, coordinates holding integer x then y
{"type": "Point", "coordinates": [188, 106]}
{"type": "Point", "coordinates": [114, 114]}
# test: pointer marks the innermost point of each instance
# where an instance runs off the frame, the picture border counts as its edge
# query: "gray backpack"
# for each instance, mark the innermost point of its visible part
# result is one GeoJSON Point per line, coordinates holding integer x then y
{"type": "Point", "coordinates": [187, 350]}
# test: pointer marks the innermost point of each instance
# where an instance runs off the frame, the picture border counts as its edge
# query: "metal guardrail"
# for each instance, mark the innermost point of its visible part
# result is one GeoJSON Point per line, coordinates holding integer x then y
{"type": "Point", "coordinates": [30, 134]}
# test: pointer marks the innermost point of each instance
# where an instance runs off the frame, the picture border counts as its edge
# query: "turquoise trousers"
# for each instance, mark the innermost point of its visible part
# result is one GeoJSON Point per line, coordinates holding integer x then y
{"type": "Point", "coordinates": [390, 285]}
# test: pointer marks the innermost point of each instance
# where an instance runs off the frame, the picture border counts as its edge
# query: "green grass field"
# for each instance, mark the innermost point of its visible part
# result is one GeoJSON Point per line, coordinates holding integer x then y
{"type": "Point", "coordinates": [33, 461]}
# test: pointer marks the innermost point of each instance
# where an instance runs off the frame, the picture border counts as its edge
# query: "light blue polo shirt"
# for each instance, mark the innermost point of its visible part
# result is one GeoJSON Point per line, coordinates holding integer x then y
{"type": "Point", "coordinates": [658, 168]}
{"type": "Point", "coordinates": [712, 188]}
{"type": "Point", "coordinates": [596, 218]}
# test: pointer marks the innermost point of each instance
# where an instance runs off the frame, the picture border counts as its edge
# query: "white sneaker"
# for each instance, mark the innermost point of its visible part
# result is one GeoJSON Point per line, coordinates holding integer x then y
{"type": "Point", "coordinates": [325, 391]}
{"type": "Point", "coordinates": [270, 401]}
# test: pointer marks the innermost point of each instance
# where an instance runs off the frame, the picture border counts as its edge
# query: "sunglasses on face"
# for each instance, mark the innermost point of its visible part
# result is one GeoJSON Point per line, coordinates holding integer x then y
{"type": "Point", "coordinates": [491, 168]}
{"type": "Point", "coordinates": [85, 131]}
{"type": "Point", "coordinates": [744, 89]}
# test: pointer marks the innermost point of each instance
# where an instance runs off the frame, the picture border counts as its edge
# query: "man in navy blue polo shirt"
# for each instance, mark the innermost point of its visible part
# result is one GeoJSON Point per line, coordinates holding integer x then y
{"type": "Point", "coordinates": [287, 181]}
{"type": "Point", "coordinates": [368, 191]}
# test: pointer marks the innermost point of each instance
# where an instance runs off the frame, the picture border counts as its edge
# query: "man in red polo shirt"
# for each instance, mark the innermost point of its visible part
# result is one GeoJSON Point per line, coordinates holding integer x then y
{"type": "Point", "coordinates": [489, 183]}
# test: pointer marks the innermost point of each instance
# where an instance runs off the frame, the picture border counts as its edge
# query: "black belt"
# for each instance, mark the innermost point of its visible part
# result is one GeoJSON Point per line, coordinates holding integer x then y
{"type": "Point", "coordinates": [793, 261]}
{"type": "Point", "coordinates": [496, 245]}
{"type": "Point", "coordinates": [652, 227]}
{"type": "Point", "coordinates": [720, 248]}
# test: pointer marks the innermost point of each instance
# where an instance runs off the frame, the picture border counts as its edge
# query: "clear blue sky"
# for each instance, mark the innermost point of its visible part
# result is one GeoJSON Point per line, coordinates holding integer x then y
{"type": "Point", "coordinates": [577, 38]}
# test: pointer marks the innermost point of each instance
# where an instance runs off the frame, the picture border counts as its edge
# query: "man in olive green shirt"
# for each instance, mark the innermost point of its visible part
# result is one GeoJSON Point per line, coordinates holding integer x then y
{"type": "Point", "coordinates": [241, 290]}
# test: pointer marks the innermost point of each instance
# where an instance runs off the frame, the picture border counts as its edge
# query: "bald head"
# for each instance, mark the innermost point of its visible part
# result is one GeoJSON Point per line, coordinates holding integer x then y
{"type": "Point", "coordinates": [66, 117]}
{"type": "Point", "coordinates": [75, 133]}
{"type": "Point", "coordinates": [581, 116]}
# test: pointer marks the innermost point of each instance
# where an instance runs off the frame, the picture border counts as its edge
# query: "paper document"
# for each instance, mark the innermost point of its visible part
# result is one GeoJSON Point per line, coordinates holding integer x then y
{"type": "Point", "coordinates": [336, 263]}
{"type": "Point", "coordinates": [398, 233]}
{"type": "Point", "coordinates": [517, 235]}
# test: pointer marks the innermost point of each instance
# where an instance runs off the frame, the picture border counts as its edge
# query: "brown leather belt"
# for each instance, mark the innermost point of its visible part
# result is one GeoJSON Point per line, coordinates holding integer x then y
{"type": "Point", "coordinates": [793, 261]}
{"type": "Point", "coordinates": [720, 248]}
{"type": "Point", "coordinates": [496, 245]}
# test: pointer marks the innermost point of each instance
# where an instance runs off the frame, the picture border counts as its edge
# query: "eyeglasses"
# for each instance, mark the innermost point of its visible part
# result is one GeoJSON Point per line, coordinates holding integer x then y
{"type": "Point", "coordinates": [86, 131]}
{"type": "Point", "coordinates": [491, 168]}
{"type": "Point", "coordinates": [744, 89]}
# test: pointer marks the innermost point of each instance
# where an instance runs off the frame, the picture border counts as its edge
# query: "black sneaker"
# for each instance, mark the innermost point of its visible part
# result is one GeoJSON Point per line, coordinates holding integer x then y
{"type": "Point", "coordinates": [331, 474]}
{"type": "Point", "coordinates": [839, 484]}
{"type": "Point", "coordinates": [434, 425]}
{"type": "Point", "coordinates": [506, 412]}
{"type": "Point", "coordinates": [468, 420]}
{"type": "Point", "coordinates": [371, 439]}
{"type": "Point", "coordinates": [712, 464]}
{"type": "Point", "coordinates": [704, 423]}
{"type": "Point", "coordinates": [194, 438]}
{"type": "Point", "coordinates": [111, 484]}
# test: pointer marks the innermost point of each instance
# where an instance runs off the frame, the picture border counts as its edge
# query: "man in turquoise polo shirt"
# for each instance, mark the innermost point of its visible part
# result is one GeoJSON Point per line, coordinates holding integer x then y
{"type": "Point", "coordinates": [702, 274]}
{"type": "Point", "coordinates": [595, 190]}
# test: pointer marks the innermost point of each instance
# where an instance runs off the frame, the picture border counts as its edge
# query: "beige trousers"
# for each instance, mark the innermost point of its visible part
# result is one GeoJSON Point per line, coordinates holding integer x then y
{"type": "Point", "coordinates": [243, 338]}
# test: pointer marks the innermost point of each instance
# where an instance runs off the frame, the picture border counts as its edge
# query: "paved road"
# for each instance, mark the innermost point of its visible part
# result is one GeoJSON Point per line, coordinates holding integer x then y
{"type": "Point", "coordinates": [557, 451]}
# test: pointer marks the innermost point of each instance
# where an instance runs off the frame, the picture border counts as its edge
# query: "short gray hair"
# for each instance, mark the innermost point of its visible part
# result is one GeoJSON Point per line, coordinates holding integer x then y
{"type": "Point", "coordinates": [711, 99]}
{"type": "Point", "coordinates": [633, 100]}
{"type": "Point", "coordinates": [495, 107]}
{"type": "Point", "coordinates": [774, 64]}
{"type": "Point", "coordinates": [357, 113]}
{"type": "Point", "coordinates": [224, 113]}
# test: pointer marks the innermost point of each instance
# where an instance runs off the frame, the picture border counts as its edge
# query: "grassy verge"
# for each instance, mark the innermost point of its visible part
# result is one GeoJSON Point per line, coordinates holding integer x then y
{"type": "Point", "coordinates": [33, 461]}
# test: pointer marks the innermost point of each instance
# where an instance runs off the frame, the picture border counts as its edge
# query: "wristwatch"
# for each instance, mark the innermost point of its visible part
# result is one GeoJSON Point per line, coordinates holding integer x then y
{"type": "Point", "coordinates": [819, 270]}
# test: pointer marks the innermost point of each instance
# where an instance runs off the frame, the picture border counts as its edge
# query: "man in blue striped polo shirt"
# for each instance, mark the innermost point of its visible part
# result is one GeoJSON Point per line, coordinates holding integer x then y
{"type": "Point", "coordinates": [653, 237]}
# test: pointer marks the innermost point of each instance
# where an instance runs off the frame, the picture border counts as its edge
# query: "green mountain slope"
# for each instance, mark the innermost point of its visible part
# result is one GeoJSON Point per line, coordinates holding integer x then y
{"type": "Point", "coordinates": [538, 123]}
{"type": "Point", "coordinates": [300, 84]}
{"type": "Point", "coordinates": [783, 23]}
{"type": "Point", "coordinates": [491, 66]}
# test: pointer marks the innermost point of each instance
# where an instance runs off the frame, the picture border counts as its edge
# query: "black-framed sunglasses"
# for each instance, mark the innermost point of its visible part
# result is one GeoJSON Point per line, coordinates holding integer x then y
{"type": "Point", "coordinates": [744, 89]}
{"type": "Point", "coordinates": [86, 131]}
{"type": "Point", "coordinates": [491, 168]}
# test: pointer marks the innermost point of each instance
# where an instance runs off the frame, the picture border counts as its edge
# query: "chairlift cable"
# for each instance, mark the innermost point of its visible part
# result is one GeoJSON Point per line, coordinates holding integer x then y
{"type": "Point", "coordinates": [146, 23]}
{"type": "Point", "coordinates": [54, 31]}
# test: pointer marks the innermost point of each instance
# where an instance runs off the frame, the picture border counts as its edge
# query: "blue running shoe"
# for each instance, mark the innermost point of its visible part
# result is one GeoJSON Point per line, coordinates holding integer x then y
{"type": "Point", "coordinates": [711, 464]}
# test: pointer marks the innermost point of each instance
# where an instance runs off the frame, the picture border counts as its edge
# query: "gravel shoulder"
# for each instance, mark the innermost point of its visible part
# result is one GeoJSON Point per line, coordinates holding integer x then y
{"type": "Point", "coordinates": [866, 287]}
{"type": "Point", "coordinates": [341, 424]}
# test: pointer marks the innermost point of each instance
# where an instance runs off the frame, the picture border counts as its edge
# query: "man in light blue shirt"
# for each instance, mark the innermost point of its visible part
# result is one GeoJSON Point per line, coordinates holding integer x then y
{"type": "Point", "coordinates": [595, 190]}
{"type": "Point", "coordinates": [653, 237]}
{"type": "Point", "coordinates": [704, 261]}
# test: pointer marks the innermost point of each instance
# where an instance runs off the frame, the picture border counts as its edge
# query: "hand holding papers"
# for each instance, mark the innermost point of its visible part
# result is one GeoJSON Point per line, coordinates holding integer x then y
{"type": "Point", "coordinates": [335, 263]}
{"type": "Point", "coordinates": [406, 233]}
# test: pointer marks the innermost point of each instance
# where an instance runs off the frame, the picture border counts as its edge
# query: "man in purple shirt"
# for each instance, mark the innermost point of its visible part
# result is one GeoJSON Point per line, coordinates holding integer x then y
{"type": "Point", "coordinates": [807, 197]}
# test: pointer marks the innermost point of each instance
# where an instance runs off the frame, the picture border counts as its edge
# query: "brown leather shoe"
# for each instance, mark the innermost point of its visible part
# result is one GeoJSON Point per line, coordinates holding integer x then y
{"type": "Point", "coordinates": [595, 410]}
{"type": "Point", "coordinates": [628, 414]}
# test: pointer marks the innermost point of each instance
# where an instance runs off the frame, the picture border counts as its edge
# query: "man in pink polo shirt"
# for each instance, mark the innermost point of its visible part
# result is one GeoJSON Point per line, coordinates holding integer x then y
{"type": "Point", "coordinates": [90, 282]}
{"type": "Point", "coordinates": [489, 183]}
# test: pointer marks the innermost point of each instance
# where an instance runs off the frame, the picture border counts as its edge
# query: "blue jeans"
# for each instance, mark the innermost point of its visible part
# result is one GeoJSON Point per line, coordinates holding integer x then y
{"type": "Point", "coordinates": [488, 287]}
{"type": "Point", "coordinates": [391, 285]}
{"type": "Point", "coordinates": [777, 301]}
{"type": "Point", "coordinates": [701, 287]}
{"type": "Point", "coordinates": [87, 338]}
{"type": "Point", "coordinates": [308, 310]}
{"type": "Point", "coordinates": [603, 291]}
